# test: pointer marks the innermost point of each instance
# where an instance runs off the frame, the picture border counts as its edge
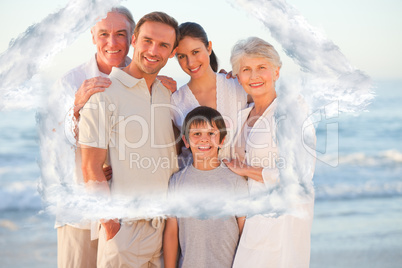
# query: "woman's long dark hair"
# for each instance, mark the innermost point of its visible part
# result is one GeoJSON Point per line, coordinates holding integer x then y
{"type": "Point", "coordinates": [195, 30]}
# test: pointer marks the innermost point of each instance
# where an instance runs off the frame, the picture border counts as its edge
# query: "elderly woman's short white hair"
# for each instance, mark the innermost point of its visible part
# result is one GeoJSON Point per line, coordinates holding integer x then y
{"type": "Point", "coordinates": [256, 48]}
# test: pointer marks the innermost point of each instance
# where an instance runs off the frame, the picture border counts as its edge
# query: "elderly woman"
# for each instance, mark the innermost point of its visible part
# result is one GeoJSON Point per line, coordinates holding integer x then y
{"type": "Point", "coordinates": [266, 241]}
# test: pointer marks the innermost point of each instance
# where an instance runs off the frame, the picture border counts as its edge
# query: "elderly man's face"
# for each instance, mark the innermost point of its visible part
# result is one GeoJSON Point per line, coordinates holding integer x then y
{"type": "Point", "coordinates": [112, 39]}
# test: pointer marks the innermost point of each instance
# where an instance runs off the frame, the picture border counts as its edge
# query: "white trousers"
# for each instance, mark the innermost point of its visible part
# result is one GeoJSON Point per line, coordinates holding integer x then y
{"type": "Point", "coordinates": [281, 242]}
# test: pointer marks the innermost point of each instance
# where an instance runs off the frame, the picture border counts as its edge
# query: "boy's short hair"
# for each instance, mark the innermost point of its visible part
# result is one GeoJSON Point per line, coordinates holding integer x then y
{"type": "Point", "coordinates": [202, 115]}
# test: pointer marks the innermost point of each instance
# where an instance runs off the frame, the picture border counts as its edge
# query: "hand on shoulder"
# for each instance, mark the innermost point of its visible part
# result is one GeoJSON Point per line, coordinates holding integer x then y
{"type": "Point", "coordinates": [168, 82]}
{"type": "Point", "coordinates": [87, 89]}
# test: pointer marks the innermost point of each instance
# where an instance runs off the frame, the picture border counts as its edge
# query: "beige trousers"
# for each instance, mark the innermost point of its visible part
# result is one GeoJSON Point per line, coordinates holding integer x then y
{"type": "Point", "coordinates": [75, 248]}
{"type": "Point", "coordinates": [137, 244]}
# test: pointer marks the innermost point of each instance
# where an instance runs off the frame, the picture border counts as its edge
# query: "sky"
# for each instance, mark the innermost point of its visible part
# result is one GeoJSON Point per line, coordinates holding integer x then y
{"type": "Point", "coordinates": [367, 32]}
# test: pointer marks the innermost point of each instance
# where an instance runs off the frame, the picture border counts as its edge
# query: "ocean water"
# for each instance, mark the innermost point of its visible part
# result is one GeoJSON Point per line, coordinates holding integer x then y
{"type": "Point", "coordinates": [358, 183]}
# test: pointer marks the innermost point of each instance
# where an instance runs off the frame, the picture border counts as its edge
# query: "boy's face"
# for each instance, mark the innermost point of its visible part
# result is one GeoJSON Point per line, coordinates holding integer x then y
{"type": "Point", "coordinates": [203, 141]}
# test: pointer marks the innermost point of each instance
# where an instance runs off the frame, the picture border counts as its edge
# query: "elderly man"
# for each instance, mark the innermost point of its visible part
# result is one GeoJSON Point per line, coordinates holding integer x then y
{"type": "Point", "coordinates": [112, 37]}
{"type": "Point", "coordinates": [127, 122]}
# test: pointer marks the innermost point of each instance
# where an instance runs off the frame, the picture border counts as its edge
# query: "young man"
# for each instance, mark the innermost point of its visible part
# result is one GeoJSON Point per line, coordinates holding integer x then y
{"type": "Point", "coordinates": [112, 37]}
{"type": "Point", "coordinates": [204, 242]}
{"type": "Point", "coordinates": [126, 123]}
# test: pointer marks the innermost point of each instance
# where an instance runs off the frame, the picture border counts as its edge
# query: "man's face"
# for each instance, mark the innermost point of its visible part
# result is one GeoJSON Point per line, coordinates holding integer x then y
{"type": "Point", "coordinates": [112, 39]}
{"type": "Point", "coordinates": [153, 47]}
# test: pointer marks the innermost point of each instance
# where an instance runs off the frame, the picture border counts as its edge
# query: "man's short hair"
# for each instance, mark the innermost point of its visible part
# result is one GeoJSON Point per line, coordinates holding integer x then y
{"type": "Point", "coordinates": [161, 17]}
{"type": "Point", "coordinates": [203, 115]}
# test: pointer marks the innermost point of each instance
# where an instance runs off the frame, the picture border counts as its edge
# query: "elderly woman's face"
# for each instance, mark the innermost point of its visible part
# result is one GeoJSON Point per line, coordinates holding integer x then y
{"type": "Point", "coordinates": [257, 75]}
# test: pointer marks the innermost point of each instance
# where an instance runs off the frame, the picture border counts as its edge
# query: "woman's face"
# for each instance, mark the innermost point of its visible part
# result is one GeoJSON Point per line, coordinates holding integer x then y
{"type": "Point", "coordinates": [257, 76]}
{"type": "Point", "coordinates": [193, 56]}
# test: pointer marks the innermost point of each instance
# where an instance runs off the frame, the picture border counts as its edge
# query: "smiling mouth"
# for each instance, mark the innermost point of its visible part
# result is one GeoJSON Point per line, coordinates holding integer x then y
{"type": "Point", "coordinates": [204, 148]}
{"type": "Point", "coordinates": [256, 84]}
{"type": "Point", "coordinates": [195, 69]}
{"type": "Point", "coordinates": [112, 51]}
{"type": "Point", "coordinates": [151, 60]}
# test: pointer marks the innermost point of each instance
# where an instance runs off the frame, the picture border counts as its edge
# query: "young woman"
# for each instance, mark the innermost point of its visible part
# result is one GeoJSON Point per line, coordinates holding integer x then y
{"type": "Point", "coordinates": [206, 87]}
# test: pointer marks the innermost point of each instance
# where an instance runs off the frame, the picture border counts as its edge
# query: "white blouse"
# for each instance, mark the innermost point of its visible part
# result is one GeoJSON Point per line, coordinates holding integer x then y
{"type": "Point", "coordinates": [260, 148]}
{"type": "Point", "coordinates": [230, 99]}
{"type": "Point", "coordinates": [266, 241]}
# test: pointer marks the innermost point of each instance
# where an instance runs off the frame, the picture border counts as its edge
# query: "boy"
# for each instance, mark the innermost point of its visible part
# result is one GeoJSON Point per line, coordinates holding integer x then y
{"type": "Point", "coordinates": [209, 242]}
